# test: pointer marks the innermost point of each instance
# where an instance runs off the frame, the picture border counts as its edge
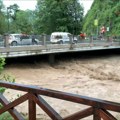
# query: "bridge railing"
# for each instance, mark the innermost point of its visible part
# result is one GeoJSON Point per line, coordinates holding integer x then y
{"type": "Point", "coordinates": [88, 39]}
{"type": "Point", "coordinates": [99, 109]}
{"type": "Point", "coordinates": [45, 47]}
{"type": "Point", "coordinates": [45, 40]}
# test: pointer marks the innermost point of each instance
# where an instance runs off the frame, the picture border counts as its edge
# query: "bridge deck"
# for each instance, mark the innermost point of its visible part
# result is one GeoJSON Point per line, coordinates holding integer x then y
{"type": "Point", "coordinates": [18, 51]}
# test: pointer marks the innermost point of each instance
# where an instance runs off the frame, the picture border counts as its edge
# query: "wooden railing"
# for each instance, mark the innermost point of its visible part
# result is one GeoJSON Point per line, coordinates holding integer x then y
{"type": "Point", "coordinates": [98, 108]}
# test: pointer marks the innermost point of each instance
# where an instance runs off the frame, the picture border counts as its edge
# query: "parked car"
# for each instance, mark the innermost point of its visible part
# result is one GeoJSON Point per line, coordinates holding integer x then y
{"type": "Point", "coordinates": [61, 37]}
{"type": "Point", "coordinates": [21, 39]}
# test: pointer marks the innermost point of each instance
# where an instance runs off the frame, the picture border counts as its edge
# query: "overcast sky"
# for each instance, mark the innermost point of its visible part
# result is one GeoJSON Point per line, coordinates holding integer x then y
{"type": "Point", "coordinates": [86, 4]}
{"type": "Point", "coordinates": [23, 4]}
{"type": "Point", "coordinates": [30, 4]}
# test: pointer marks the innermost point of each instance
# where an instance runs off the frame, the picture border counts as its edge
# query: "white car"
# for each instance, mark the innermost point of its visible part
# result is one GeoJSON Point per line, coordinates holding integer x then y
{"type": "Point", "coordinates": [61, 37]}
{"type": "Point", "coordinates": [21, 39]}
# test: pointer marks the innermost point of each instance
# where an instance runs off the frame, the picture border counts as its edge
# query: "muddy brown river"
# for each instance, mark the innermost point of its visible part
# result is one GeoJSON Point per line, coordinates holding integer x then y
{"type": "Point", "coordinates": [97, 77]}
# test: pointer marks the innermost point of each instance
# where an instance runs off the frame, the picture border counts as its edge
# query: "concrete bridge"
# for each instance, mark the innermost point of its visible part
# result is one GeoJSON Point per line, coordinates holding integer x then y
{"type": "Point", "coordinates": [8, 51]}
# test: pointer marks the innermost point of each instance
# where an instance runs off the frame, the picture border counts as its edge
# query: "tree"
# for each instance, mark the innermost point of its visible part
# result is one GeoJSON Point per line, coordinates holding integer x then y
{"type": "Point", "coordinates": [3, 23]}
{"type": "Point", "coordinates": [58, 15]}
{"type": "Point", "coordinates": [108, 13]}
{"type": "Point", "coordinates": [11, 17]}
{"type": "Point", "coordinates": [21, 21]}
{"type": "Point", "coordinates": [13, 9]}
{"type": "Point", "coordinates": [24, 21]}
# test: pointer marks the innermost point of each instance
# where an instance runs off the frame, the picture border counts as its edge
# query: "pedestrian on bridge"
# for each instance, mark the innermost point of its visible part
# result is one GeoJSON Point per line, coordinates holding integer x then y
{"type": "Point", "coordinates": [82, 35]}
{"type": "Point", "coordinates": [33, 39]}
{"type": "Point", "coordinates": [102, 32]}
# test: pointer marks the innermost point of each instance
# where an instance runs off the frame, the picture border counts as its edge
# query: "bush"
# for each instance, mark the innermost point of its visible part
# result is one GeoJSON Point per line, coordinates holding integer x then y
{"type": "Point", "coordinates": [6, 115]}
{"type": "Point", "coordinates": [4, 77]}
{"type": "Point", "coordinates": [2, 63]}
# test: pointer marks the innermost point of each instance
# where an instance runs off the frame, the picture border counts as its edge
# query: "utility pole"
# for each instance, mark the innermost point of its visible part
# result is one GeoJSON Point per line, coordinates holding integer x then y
{"type": "Point", "coordinates": [96, 23]}
{"type": "Point", "coordinates": [8, 17]}
{"type": "Point", "coordinates": [75, 16]}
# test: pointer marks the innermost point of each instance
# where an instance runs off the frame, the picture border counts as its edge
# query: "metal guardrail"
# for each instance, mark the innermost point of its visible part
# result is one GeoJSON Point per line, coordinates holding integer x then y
{"type": "Point", "coordinates": [96, 107]}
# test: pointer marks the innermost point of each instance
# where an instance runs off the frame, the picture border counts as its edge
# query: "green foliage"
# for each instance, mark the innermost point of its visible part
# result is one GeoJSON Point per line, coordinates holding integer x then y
{"type": "Point", "coordinates": [8, 78]}
{"type": "Point", "coordinates": [108, 14]}
{"type": "Point", "coordinates": [14, 20]}
{"type": "Point", "coordinates": [19, 21]}
{"type": "Point", "coordinates": [4, 77]}
{"type": "Point", "coordinates": [62, 15]}
{"type": "Point", "coordinates": [2, 63]}
{"type": "Point", "coordinates": [6, 116]}
{"type": "Point", "coordinates": [49, 16]}
{"type": "Point", "coordinates": [23, 22]}
{"type": "Point", "coordinates": [3, 22]}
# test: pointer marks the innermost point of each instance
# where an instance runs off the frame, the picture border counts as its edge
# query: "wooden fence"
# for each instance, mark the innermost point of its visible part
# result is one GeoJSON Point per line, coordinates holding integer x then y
{"type": "Point", "coordinates": [99, 109]}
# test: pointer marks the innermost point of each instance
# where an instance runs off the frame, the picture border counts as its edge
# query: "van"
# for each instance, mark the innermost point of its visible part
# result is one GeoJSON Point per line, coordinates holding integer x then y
{"type": "Point", "coordinates": [61, 37]}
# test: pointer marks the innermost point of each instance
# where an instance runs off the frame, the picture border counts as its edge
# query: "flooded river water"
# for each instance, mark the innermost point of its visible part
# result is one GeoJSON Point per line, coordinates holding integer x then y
{"type": "Point", "coordinates": [93, 75]}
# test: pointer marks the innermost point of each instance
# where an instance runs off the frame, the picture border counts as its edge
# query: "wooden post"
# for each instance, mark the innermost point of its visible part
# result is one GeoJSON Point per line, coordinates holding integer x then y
{"type": "Point", "coordinates": [71, 41]}
{"type": "Point", "coordinates": [6, 40]}
{"type": "Point", "coordinates": [96, 114]}
{"type": "Point", "coordinates": [44, 39]}
{"type": "Point", "coordinates": [32, 109]}
{"type": "Point", "coordinates": [91, 40]}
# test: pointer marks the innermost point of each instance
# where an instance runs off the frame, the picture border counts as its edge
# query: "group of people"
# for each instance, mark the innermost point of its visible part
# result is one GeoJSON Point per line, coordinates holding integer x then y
{"type": "Point", "coordinates": [101, 33]}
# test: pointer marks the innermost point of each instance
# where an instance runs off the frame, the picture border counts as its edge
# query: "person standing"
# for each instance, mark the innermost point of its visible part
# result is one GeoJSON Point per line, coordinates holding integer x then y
{"type": "Point", "coordinates": [82, 35]}
{"type": "Point", "coordinates": [33, 39]}
{"type": "Point", "coordinates": [102, 31]}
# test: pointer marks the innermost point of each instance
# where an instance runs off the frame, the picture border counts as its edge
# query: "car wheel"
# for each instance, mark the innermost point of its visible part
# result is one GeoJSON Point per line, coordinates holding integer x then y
{"type": "Point", "coordinates": [14, 43]}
